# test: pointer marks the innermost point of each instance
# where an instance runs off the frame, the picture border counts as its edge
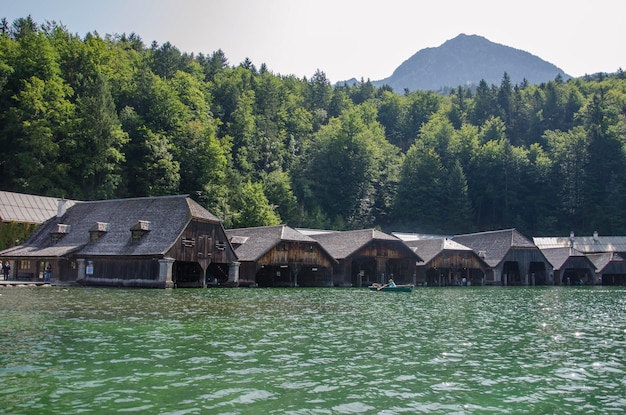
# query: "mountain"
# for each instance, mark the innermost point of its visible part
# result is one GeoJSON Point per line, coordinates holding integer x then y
{"type": "Point", "coordinates": [466, 60]}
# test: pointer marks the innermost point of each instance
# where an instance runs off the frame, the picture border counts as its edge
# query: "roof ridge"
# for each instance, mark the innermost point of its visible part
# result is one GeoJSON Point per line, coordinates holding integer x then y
{"type": "Point", "coordinates": [124, 199]}
{"type": "Point", "coordinates": [255, 227]}
{"type": "Point", "coordinates": [484, 232]}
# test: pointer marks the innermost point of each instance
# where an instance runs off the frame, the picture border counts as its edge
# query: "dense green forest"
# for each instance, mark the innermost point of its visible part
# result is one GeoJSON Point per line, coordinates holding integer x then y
{"type": "Point", "coordinates": [97, 117]}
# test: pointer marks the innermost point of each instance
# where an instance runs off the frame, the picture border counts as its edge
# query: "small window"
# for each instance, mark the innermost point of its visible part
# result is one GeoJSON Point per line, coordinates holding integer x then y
{"type": "Point", "coordinates": [188, 243]}
{"type": "Point", "coordinates": [97, 230]}
{"type": "Point", "coordinates": [136, 236]}
{"type": "Point", "coordinates": [60, 231]}
{"type": "Point", "coordinates": [138, 230]}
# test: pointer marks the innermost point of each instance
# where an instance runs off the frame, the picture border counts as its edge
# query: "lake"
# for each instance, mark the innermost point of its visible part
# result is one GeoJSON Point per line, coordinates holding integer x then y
{"type": "Point", "coordinates": [457, 350]}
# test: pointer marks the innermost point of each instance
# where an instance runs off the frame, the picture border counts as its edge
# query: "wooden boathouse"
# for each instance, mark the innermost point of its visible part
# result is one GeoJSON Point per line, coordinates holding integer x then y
{"type": "Point", "coordinates": [20, 215]}
{"type": "Point", "coordinates": [280, 256]}
{"type": "Point", "coordinates": [607, 253]}
{"type": "Point", "coordinates": [158, 242]}
{"type": "Point", "coordinates": [447, 262]}
{"type": "Point", "coordinates": [368, 256]}
{"type": "Point", "coordinates": [513, 259]}
{"type": "Point", "coordinates": [571, 267]}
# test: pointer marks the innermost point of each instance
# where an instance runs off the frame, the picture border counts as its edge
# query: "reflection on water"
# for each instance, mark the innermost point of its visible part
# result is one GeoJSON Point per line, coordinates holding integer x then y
{"type": "Point", "coordinates": [313, 351]}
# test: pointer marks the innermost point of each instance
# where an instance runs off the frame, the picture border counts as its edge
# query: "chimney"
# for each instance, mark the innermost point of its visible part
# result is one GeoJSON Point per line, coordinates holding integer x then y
{"type": "Point", "coordinates": [61, 208]}
{"type": "Point", "coordinates": [595, 236]}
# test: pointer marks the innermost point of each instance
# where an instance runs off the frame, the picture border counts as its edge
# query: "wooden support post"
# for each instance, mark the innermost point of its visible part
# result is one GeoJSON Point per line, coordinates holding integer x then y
{"type": "Point", "coordinates": [165, 272]}
{"type": "Point", "coordinates": [233, 273]}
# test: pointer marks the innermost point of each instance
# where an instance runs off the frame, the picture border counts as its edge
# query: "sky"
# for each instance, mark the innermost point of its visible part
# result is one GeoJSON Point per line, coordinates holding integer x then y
{"type": "Point", "coordinates": [349, 38]}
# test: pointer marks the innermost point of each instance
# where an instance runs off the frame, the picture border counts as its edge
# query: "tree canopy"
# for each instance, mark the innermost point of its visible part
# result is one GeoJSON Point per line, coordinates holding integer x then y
{"type": "Point", "coordinates": [108, 117]}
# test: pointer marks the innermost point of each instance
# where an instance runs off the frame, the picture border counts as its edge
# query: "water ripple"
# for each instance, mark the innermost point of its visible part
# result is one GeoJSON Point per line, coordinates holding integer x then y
{"type": "Point", "coordinates": [314, 351]}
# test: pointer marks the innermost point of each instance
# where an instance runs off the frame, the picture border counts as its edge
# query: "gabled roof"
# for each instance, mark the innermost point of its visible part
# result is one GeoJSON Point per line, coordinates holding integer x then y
{"type": "Point", "coordinates": [494, 245]}
{"type": "Point", "coordinates": [164, 217]}
{"type": "Point", "coordinates": [608, 262]}
{"type": "Point", "coordinates": [558, 257]}
{"type": "Point", "coordinates": [343, 244]}
{"type": "Point", "coordinates": [310, 232]}
{"type": "Point", "coordinates": [23, 208]}
{"type": "Point", "coordinates": [257, 241]}
{"type": "Point", "coordinates": [428, 249]}
{"type": "Point", "coordinates": [409, 236]}
{"type": "Point", "coordinates": [585, 244]}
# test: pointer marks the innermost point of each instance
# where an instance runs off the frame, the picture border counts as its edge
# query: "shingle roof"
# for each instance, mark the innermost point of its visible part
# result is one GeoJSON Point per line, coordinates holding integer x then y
{"type": "Point", "coordinates": [167, 217]}
{"type": "Point", "coordinates": [600, 260]}
{"type": "Point", "coordinates": [310, 232]}
{"type": "Point", "coordinates": [428, 249]}
{"type": "Point", "coordinates": [495, 244]}
{"type": "Point", "coordinates": [256, 242]}
{"type": "Point", "coordinates": [409, 236]}
{"type": "Point", "coordinates": [343, 244]}
{"type": "Point", "coordinates": [558, 257]}
{"type": "Point", "coordinates": [18, 207]}
{"type": "Point", "coordinates": [586, 244]}
{"type": "Point", "coordinates": [608, 262]}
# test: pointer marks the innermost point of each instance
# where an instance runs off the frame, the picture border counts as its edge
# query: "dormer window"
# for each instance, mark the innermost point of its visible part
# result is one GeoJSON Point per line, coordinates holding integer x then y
{"type": "Point", "coordinates": [59, 232]}
{"type": "Point", "coordinates": [237, 241]}
{"type": "Point", "coordinates": [99, 229]}
{"type": "Point", "coordinates": [141, 228]}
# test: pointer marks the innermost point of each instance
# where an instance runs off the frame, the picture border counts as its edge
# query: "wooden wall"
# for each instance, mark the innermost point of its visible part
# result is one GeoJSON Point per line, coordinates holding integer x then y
{"type": "Point", "coordinates": [378, 260]}
{"type": "Point", "coordinates": [289, 263]}
{"type": "Point", "coordinates": [288, 252]}
{"type": "Point", "coordinates": [202, 242]}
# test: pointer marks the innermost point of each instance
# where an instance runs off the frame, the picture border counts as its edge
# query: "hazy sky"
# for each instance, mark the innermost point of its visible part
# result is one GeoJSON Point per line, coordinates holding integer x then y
{"type": "Point", "coordinates": [350, 38]}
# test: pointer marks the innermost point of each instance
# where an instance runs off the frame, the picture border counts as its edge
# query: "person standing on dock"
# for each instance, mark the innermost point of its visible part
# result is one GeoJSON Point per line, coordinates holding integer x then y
{"type": "Point", "coordinates": [6, 268]}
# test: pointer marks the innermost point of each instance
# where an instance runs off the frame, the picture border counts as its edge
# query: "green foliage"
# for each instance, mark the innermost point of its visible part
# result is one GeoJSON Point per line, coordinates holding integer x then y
{"type": "Point", "coordinates": [98, 142]}
{"type": "Point", "coordinates": [354, 147]}
{"type": "Point", "coordinates": [14, 233]}
{"type": "Point", "coordinates": [253, 208]}
{"type": "Point", "coordinates": [105, 117]}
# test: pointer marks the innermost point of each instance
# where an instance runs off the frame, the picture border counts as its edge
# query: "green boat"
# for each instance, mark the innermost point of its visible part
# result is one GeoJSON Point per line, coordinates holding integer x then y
{"type": "Point", "coordinates": [397, 288]}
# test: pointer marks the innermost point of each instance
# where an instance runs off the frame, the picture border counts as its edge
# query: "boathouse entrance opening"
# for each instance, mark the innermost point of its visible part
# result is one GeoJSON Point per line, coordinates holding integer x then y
{"type": "Point", "coordinates": [309, 276]}
{"type": "Point", "coordinates": [614, 273]}
{"type": "Point", "coordinates": [613, 279]}
{"type": "Point", "coordinates": [398, 269]}
{"type": "Point", "coordinates": [438, 277]}
{"type": "Point", "coordinates": [274, 276]}
{"type": "Point", "coordinates": [364, 272]}
{"type": "Point", "coordinates": [187, 274]}
{"type": "Point", "coordinates": [191, 275]}
{"type": "Point", "coordinates": [216, 274]}
{"type": "Point", "coordinates": [511, 274]}
{"type": "Point", "coordinates": [537, 274]}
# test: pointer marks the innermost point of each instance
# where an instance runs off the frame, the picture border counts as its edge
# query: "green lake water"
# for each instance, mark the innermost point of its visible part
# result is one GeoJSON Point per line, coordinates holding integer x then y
{"type": "Point", "coordinates": [461, 350]}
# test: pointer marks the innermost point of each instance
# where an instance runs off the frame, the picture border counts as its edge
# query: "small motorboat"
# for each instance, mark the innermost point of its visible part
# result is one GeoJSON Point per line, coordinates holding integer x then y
{"type": "Point", "coordinates": [397, 288]}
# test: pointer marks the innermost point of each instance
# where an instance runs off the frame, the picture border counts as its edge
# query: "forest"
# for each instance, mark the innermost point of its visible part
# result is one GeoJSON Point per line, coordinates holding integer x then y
{"type": "Point", "coordinates": [101, 117]}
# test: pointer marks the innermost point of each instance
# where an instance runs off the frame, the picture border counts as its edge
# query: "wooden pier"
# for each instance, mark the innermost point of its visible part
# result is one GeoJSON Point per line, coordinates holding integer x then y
{"type": "Point", "coordinates": [14, 283]}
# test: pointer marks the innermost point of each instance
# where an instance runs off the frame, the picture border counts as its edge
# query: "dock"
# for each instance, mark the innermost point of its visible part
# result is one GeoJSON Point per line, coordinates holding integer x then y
{"type": "Point", "coordinates": [16, 284]}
